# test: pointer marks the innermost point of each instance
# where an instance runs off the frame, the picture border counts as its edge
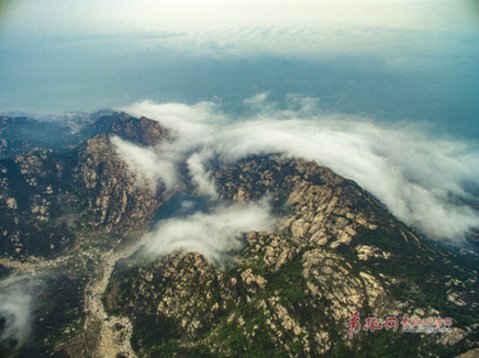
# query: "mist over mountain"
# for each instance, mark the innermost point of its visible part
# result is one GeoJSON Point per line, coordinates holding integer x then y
{"type": "Point", "coordinates": [398, 164]}
{"type": "Point", "coordinates": [244, 232]}
{"type": "Point", "coordinates": [239, 178]}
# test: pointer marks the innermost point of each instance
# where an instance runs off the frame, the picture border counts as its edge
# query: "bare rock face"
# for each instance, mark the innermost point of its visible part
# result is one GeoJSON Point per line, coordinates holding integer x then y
{"type": "Point", "coordinates": [470, 354]}
{"type": "Point", "coordinates": [292, 292]}
{"type": "Point", "coordinates": [142, 131]}
{"type": "Point", "coordinates": [367, 252]}
{"type": "Point", "coordinates": [112, 194]}
{"type": "Point", "coordinates": [113, 197]}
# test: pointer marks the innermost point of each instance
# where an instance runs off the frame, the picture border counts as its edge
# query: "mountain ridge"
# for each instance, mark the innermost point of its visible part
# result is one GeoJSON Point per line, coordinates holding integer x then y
{"type": "Point", "coordinates": [287, 292]}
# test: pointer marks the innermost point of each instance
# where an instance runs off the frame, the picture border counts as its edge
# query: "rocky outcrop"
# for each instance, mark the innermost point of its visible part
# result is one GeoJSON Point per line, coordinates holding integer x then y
{"type": "Point", "coordinates": [142, 131]}
{"type": "Point", "coordinates": [30, 205]}
{"type": "Point", "coordinates": [292, 292]}
{"type": "Point", "coordinates": [335, 252]}
{"type": "Point", "coordinates": [48, 198]}
{"type": "Point", "coordinates": [61, 214]}
{"type": "Point", "coordinates": [110, 191]}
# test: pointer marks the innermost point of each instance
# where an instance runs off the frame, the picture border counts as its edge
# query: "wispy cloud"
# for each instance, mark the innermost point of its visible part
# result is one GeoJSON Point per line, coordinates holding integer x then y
{"type": "Point", "coordinates": [148, 165]}
{"type": "Point", "coordinates": [211, 234]}
{"type": "Point", "coordinates": [388, 29]}
{"type": "Point", "coordinates": [200, 176]}
{"type": "Point", "coordinates": [16, 306]}
{"type": "Point", "coordinates": [424, 180]}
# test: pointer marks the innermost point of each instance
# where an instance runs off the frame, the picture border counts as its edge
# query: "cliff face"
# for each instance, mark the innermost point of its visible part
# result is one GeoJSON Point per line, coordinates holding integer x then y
{"type": "Point", "coordinates": [292, 292]}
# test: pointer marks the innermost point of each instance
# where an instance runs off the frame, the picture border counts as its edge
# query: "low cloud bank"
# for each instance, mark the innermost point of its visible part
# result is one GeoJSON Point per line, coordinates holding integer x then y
{"type": "Point", "coordinates": [424, 180]}
{"type": "Point", "coordinates": [16, 302]}
{"type": "Point", "coordinates": [211, 234]}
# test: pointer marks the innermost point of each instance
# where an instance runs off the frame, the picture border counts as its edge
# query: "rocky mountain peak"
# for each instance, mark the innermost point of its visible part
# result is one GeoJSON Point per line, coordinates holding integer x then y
{"type": "Point", "coordinates": [73, 217]}
{"type": "Point", "coordinates": [142, 131]}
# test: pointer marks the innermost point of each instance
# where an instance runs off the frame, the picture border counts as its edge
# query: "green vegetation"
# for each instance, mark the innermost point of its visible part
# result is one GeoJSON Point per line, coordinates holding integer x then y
{"type": "Point", "coordinates": [380, 239]}
{"type": "Point", "coordinates": [289, 282]}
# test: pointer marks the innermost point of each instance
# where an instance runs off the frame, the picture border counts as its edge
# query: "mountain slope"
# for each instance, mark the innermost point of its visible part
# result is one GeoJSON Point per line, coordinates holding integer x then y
{"type": "Point", "coordinates": [47, 196]}
{"type": "Point", "coordinates": [71, 217]}
{"type": "Point", "coordinates": [292, 292]}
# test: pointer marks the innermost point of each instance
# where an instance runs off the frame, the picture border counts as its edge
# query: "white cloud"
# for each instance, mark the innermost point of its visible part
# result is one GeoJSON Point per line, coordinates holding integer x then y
{"type": "Point", "coordinates": [186, 121]}
{"type": "Point", "coordinates": [199, 175]}
{"type": "Point", "coordinates": [147, 165]}
{"type": "Point", "coordinates": [422, 179]}
{"type": "Point", "coordinates": [16, 303]}
{"type": "Point", "coordinates": [413, 174]}
{"type": "Point", "coordinates": [404, 33]}
{"type": "Point", "coordinates": [120, 16]}
{"type": "Point", "coordinates": [190, 128]}
{"type": "Point", "coordinates": [212, 234]}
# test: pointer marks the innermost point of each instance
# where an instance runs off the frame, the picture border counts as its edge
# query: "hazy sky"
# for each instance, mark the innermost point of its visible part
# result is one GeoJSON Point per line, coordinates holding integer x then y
{"type": "Point", "coordinates": [393, 59]}
{"type": "Point", "coordinates": [123, 16]}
